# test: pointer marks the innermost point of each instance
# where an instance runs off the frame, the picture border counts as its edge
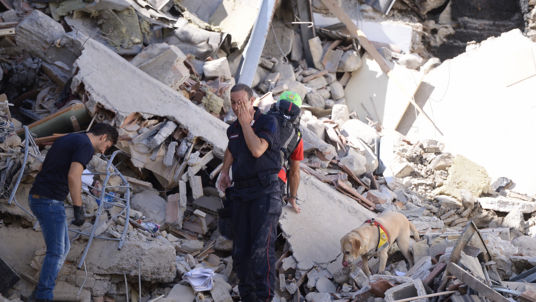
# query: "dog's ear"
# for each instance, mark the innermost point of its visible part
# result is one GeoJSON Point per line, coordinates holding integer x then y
{"type": "Point", "coordinates": [356, 244]}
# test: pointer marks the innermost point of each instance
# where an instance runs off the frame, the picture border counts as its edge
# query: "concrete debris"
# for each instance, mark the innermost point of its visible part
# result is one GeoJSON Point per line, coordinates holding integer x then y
{"type": "Point", "coordinates": [151, 204]}
{"type": "Point", "coordinates": [161, 72]}
{"type": "Point", "coordinates": [163, 62]}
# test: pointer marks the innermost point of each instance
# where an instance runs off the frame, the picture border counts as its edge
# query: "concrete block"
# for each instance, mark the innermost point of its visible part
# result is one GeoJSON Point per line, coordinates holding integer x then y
{"type": "Point", "coordinates": [355, 161]}
{"type": "Point", "coordinates": [355, 128]}
{"type": "Point", "coordinates": [315, 99]}
{"type": "Point", "coordinates": [340, 114]}
{"type": "Point", "coordinates": [506, 204]}
{"type": "Point", "coordinates": [221, 290]}
{"type": "Point", "coordinates": [401, 168]}
{"type": "Point", "coordinates": [318, 297]}
{"type": "Point", "coordinates": [332, 59]}
{"type": "Point", "coordinates": [448, 202]}
{"type": "Point", "coordinates": [432, 146]}
{"type": "Point", "coordinates": [421, 269]}
{"type": "Point", "coordinates": [420, 250]}
{"type": "Point", "coordinates": [170, 153]}
{"type": "Point", "coordinates": [217, 68]}
{"type": "Point", "coordinates": [181, 293]}
{"type": "Point", "coordinates": [406, 290]}
{"type": "Point", "coordinates": [288, 263]}
{"type": "Point", "coordinates": [441, 162]}
{"type": "Point", "coordinates": [526, 245]}
{"type": "Point", "coordinates": [163, 62]}
{"type": "Point", "coordinates": [330, 77]}
{"type": "Point", "coordinates": [337, 91]}
{"type": "Point", "coordinates": [350, 61]}
{"type": "Point", "coordinates": [324, 285]}
{"type": "Point", "coordinates": [324, 92]}
{"type": "Point", "coordinates": [360, 278]}
{"type": "Point", "coordinates": [317, 83]}
{"type": "Point", "coordinates": [318, 127]}
{"type": "Point", "coordinates": [151, 204]}
{"type": "Point", "coordinates": [197, 187]}
{"type": "Point", "coordinates": [315, 46]}
{"type": "Point", "coordinates": [286, 72]}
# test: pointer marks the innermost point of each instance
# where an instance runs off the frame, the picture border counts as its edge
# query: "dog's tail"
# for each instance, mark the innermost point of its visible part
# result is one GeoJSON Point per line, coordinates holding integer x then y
{"type": "Point", "coordinates": [413, 229]}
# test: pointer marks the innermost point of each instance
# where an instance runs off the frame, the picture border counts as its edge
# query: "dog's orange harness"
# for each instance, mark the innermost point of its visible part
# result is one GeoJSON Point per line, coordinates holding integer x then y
{"type": "Point", "coordinates": [383, 236]}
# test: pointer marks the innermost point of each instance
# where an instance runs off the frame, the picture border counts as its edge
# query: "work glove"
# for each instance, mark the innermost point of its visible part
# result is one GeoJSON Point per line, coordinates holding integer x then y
{"type": "Point", "coordinates": [78, 216]}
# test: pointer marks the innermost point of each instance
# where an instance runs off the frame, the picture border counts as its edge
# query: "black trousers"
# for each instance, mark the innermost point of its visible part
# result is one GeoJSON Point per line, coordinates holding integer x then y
{"type": "Point", "coordinates": [255, 215]}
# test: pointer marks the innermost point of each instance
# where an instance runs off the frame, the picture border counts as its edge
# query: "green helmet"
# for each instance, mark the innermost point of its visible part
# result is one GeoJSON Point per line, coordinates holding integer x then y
{"type": "Point", "coordinates": [292, 97]}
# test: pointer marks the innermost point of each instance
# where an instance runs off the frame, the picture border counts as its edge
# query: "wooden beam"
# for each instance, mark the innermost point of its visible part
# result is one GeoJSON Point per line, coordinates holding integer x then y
{"type": "Point", "coordinates": [474, 283]}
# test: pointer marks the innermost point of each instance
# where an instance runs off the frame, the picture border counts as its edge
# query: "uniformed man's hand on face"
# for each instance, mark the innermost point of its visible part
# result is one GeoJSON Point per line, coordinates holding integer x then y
{"type": "Point", "coordinates": [245, 114]}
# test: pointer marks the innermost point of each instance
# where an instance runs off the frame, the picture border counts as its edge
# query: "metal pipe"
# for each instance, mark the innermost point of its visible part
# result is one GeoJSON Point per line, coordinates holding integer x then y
{"type": "Point", "coordinates": [17, 183]}
{"type": "Point", "coordinates": [99, 210]}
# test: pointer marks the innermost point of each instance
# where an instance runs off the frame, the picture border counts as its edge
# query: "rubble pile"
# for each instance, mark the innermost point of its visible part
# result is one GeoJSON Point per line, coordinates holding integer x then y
{"type": "Point", "coordinates": [161, 72]}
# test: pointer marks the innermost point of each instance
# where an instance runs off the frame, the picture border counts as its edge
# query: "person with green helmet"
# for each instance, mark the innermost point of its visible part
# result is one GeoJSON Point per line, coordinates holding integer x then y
{"type": "Point", "coordinates": [289, 104]}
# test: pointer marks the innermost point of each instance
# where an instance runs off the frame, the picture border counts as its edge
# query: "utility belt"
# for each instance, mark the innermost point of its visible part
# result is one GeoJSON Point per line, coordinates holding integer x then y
{"type": "Point", "coordinates": [261, 180]}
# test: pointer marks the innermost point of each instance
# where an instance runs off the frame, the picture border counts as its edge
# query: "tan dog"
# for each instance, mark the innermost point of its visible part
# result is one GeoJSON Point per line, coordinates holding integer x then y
{"type": "Point", "coordinates": [364, 240]}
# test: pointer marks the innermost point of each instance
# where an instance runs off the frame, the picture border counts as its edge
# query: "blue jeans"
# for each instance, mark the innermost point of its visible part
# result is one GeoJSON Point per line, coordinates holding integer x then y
{"type": "Point", "coordinates": [51, 216]}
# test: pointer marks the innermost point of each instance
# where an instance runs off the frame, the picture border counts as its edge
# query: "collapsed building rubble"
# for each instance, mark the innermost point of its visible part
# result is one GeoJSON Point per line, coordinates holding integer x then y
{"type": "Point", "coordinates": [161, 72]}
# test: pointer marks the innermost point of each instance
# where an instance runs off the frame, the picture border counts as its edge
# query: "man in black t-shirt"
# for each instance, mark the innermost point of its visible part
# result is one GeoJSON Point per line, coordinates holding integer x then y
{"type": "Point", "coordinates": [62, 174]}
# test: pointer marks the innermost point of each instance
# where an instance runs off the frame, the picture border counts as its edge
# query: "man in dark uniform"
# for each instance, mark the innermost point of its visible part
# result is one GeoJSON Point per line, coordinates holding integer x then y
{"type": "Point", "coordinates": [253, 152]}
{"type": "Point", "coordinates": [61, 174]}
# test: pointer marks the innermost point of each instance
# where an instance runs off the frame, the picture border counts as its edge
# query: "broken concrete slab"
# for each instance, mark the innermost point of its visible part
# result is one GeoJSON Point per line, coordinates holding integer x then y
{"type": "Point", "coordinates": [318, 297]}
{"type": "Point", "coordinates": [163, 62]}
{"type": "Point", "coordinates": [332, 59]}
{"type": "Point", "coordinates": [101, 76]}
{"type": "Point", "coordinates": [506, 204]}
{"type": "Point", "coordinates": [151, 204]}
{"type": "Point", "coordinates": [310, 241]}
{"type": "Point", "coordinates": [64, 291]}
{"type": "Point", "coordinates": [218, 68]}
{"type": "Point", "coordinates": [225, 16]}
{"type": "Point", "coordinates": [153, 260]}
{"type": "Point", "coordinates": [526, 245]}
{"type": "Point", "coordinates": [324, 285]}
{"type": "Point", "coordinates": [356, 129]}
{"type": "Point", "coordinates": [37, 31]}
{"type": "Point", "coordinates": [386, 107]}
{"type": "Point", "coordinates": [337, 91]}
{"type": "Point", "coordinates": [193, 40]}
{"type": "Point", "coordinates": [220, 290]}
{"type": "Point", "coordinates": [181, 293]}
{"type": "Point", "coordinates": [280, 39]}
{"type": "Point", "coordinates": [355, 161]}
{"type": "Point", "coordinates": [316, 100]}
{"type": "Point", "coordinates": [340, 114]}
{"type": "Point", "coordinates": [350, 61]}
{"type": "Point", "coordinates": [514, 220]}
{"type": "Point", "coordinates": [312, 142]}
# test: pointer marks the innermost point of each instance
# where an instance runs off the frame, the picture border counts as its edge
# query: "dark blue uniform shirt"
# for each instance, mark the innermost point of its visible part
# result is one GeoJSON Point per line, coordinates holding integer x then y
{"type": "Point", "coordinates": [245, 166]}
{"type": "Point", "coordinates": [51, 182]}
